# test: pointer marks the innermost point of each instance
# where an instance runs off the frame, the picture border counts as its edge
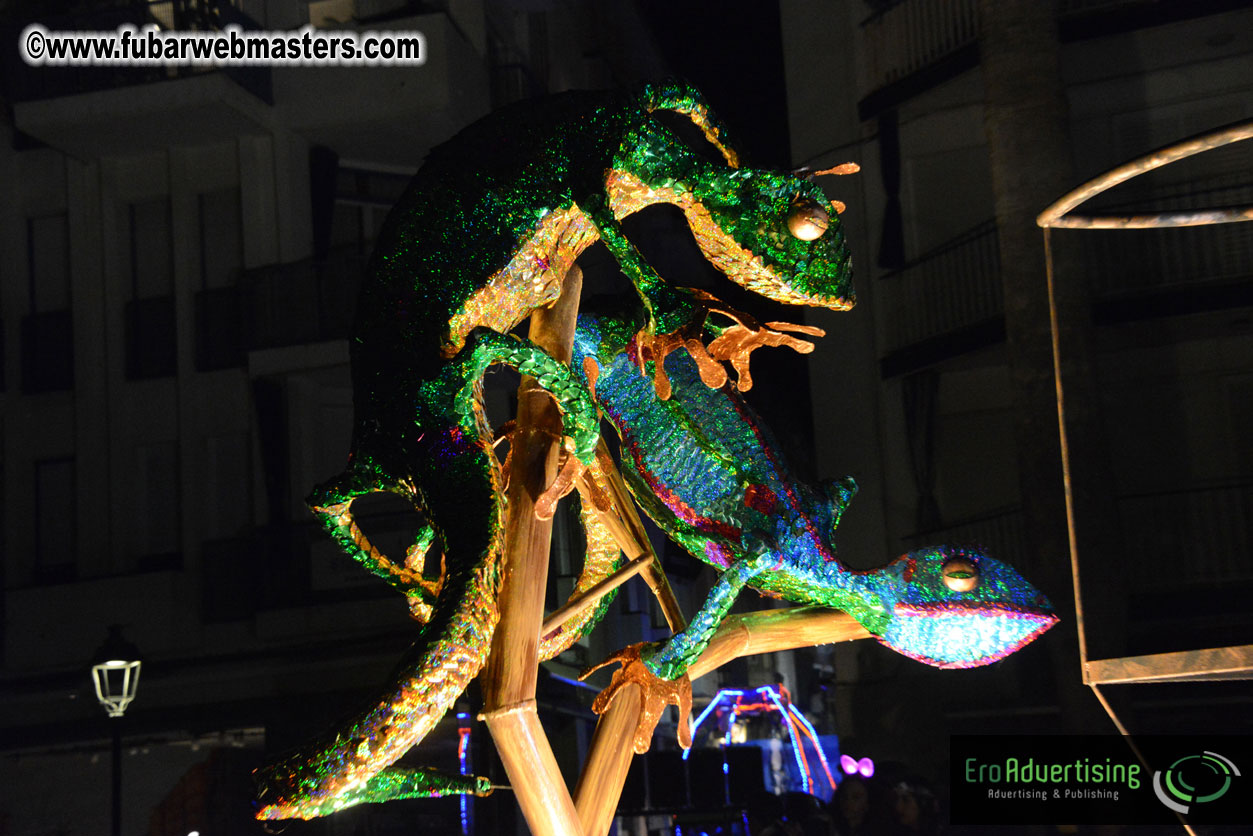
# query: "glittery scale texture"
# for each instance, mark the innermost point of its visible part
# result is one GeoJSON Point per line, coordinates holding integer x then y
{"type": "Point", "coordinates": [482, 238]}
{"type": "Point", "coordinates": [448, 449]}
{"type": "Point", "coordinates": [706, 470]}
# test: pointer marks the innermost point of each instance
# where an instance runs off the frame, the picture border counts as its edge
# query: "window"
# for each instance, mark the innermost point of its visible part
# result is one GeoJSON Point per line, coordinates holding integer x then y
{"type": "Point", "coordinates": [227, 484]}
{"type": "Point", "coordinates": [221, 238]}
{"type": "Point", "coordinates": [151, 347]}
{"type": "Point", "coordinates": [156, 504]}
{"type": "Point", "coordinates": [219, 315]}
{"type": "Point", "coordinates": [47, 331]}
{"type": "Point", "coordinates": [363, 198]}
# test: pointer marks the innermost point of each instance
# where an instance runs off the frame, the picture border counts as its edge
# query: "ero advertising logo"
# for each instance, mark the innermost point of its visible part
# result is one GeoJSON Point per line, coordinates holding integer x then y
{"type": "Point", "coordinates": [1021, 779]}
{"type": "Point", "coordinates": [1194, 779]}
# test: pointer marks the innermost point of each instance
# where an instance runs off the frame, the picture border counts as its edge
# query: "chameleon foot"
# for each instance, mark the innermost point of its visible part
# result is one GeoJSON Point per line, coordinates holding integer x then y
{"type": "Point", "coordinates": [656, 347]}
{"type": "Point", "coordinates": [567, 475]}
{"type": "Point", "coordinates": [546, 503]}
{"type": "Point", "coordinates": [656, 693]}
{"type": "Point", "coordinates": [733, 344]}
{"type": "Point", "coordinates": [740, 340]}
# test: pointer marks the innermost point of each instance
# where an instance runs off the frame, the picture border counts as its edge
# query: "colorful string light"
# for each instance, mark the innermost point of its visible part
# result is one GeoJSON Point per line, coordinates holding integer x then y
{"type": "Point", "coordinates": [735, 703]}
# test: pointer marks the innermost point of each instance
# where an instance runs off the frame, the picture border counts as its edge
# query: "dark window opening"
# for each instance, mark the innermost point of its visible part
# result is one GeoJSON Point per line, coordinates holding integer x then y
{"type": "Point", "coordinates": [219, 329]}
{"type": "Point", "coordinates": [150, 338]}
{"type": "Point", "coordinates": [151, 333]}
{"type": "Point", "coordinates": [156, 531]}
{"type": "Point", "coordinates": [47, 331]}
{"type": "Point", "coordinates": [47, 352]}
{"type": "Point", "coordinates": [219, 314]}
{"type": "Point", "coordinates": [56, 511]}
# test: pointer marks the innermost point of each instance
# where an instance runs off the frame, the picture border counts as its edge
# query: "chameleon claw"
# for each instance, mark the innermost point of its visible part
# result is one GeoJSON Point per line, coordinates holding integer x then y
{"type": "Point", "coordinates": [546, 503]}
{"type": "Point", "coordinates": [657, 347]}
{"type": "Point", "coordinates": [733, 344]}
{"type": "Point", "coordinates": [736, 343]}
{"type": "Point", "coordinates": [655, 694]}
{"type": "Point", "coordinates": [591, 489]}
{"type": "Point", "coordinates": [712, 374]}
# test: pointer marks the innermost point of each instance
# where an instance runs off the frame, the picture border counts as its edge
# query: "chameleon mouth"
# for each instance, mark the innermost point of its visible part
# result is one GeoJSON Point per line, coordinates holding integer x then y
{"type": "Point", "coordinates": [964, 635]}
{"type": "Point", "coordinates": [629, 194]}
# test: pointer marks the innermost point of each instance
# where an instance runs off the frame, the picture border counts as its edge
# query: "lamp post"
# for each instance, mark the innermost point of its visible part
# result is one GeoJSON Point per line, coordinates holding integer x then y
{"type": "Point", "coordinates": [115, 671]}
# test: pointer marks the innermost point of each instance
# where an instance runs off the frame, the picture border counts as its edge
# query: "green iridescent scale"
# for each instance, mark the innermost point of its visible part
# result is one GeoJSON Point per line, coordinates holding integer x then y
{"type": "Point", "coordinates": [707, 471]}
{"type": "Point", "coordinates": [480, 240]}
{"type": "Point", "coordinates": [414, 783]}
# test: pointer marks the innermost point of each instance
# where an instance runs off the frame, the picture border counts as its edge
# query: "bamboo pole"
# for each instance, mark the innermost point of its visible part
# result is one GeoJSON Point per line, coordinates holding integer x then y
{"type": "Point", "coordinates": [510, 675]}
{"type": "Point", "coordinates": [609, 756]}
{"type": "Point", "coordinates": [772, 630]}
{"type": "Point", "coordinates": [608, 761]}
{"type": "Point", "coordinates": [509, 678]}
{"type": "Point", "coordinates": [598, 590]}
{"type": "Point", "coordinates": [634, 541]}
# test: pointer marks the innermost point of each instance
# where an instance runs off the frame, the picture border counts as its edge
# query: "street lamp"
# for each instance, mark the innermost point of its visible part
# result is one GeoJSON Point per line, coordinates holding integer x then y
{"type": "Point", "coordinates": [115, 671]}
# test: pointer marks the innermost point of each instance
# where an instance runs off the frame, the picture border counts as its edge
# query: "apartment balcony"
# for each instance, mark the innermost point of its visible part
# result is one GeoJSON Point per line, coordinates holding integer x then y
{"type": "Point", "coordinates": [948, 301]}
{"type": "Point", "coordinates": [290, 566]}
{"type": "Point", "coordinates": [90, 111]}
{"type": "Point", "coordinates": [389, 115]}
{"type": "Point", "coordinates": [1212, 525]}
{"type": "Point", "coordinates": [278, 306]}
{"type": "Point", "coordinates": [910, 46]}
{"type": "Point", "coordinates": [303, 302]}
{"type": "Point", "coordinates": [385, 114]}
{"type": "Point", "coordinates": [943, 303]}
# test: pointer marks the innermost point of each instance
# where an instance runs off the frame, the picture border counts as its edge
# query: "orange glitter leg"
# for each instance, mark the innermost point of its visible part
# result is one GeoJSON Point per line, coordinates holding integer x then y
{"type": "Point", "coordinates": [657, 693]}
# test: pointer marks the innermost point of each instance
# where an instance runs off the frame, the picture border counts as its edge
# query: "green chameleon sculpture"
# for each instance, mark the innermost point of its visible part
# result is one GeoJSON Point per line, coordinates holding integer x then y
{"type": "Point", "coordinates": [483, 237]}
{"type": "Point", "coordinates": [704, 467]}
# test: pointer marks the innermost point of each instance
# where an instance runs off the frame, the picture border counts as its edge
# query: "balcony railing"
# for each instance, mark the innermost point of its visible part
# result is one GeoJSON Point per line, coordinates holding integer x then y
{"type": "Point", "coordinates": [1116, 263]}
{"type": "Point", "coordinates": [1001, 532]}
{"type": "Point", "coordinates": [904, 37]}
{"type": "Point", "coordinates": [948, 288]}
{"type": "Point", "coordinates": [302, 302]}
{"type": "Point", "coordinates": [908, 36]}
{"type": "Point", "coordinates": [958, 285]}
{"type": "Point", "coordinates": [277, 305]}
{"type": "Point", "coordinates": [1200, 536]}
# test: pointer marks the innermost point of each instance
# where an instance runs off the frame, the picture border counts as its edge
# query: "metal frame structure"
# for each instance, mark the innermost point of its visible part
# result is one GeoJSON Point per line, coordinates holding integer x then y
{"type": "Point", "coordinates": [1202, 665]}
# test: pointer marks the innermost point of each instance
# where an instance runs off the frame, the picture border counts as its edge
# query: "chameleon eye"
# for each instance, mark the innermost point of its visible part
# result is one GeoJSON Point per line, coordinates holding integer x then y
{"type": "Point", "coordinates": [960, 574]}
{"type": "Point", "coordinates": [807, 220]}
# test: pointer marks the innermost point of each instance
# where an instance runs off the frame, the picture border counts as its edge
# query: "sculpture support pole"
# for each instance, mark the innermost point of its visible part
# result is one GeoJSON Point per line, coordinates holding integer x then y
{"type": "Point", "coordinates": [511, 672]}
{"type": "Point", "coordinates": [510, 675]}
{"type": "Point", "coordinates": [608, 761]}
{"type": "Point", "coordinates": [654, 575]}
{"type": "Point", "coordinates": [773, 630]}
{"type": "Point", "coordinates": [609, 757]}
{"type": "Point", "coordinates": [623, 523]}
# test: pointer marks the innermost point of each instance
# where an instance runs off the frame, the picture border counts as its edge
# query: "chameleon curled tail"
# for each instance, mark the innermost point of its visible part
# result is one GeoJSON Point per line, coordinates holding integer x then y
{"type": "Point", "coordinates": [451, 473]}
